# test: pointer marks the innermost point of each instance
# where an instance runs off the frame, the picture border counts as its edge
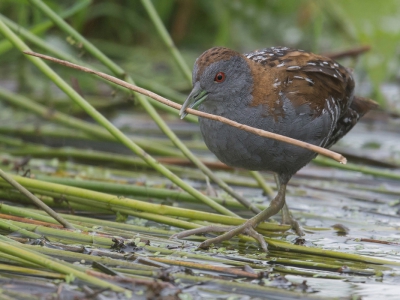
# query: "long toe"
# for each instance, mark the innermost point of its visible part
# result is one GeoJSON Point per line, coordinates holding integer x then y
{"type": "Point", "coordinates": [245, 228]}
{"type": "Point", "coordinates": [205, 229]}
{"type": "Point", "coordinates": [288, 219]}
{"type": "Point", "coordinates": [294, 224]}
{"type": "Point", "coordinates": [258, 237]}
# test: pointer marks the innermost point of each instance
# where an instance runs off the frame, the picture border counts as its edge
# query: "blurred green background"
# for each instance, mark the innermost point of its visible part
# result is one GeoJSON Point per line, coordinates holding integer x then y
{"type": "Point", "coordinates": [124, 31]}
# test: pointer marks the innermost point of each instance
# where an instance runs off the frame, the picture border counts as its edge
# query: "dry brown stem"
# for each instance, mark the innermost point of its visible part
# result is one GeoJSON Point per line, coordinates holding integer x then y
{"type": "Point", "coordinates": [328, 153]}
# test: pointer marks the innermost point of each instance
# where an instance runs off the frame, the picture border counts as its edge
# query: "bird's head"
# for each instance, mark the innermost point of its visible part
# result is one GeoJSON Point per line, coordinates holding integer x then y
{"type": "Point", "coordinates": [220, 77]}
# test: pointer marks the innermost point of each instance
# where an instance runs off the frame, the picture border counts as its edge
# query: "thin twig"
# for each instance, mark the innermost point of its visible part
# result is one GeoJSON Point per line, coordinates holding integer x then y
{"type": "Point", "coordinates": [328, 153]}
{"type": "Point", "coordinates": [35, 200]}
{"type": "Point", "coordinates": [347, 53]}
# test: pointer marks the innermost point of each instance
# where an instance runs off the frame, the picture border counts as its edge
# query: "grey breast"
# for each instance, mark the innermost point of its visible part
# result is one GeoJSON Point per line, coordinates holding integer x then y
{"type": "Point", "coordinates": [241, 149]}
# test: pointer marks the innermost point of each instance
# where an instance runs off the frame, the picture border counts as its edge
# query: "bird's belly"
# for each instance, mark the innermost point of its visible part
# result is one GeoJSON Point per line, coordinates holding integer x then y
{"type": "Point", "coordinates": [241, 149]}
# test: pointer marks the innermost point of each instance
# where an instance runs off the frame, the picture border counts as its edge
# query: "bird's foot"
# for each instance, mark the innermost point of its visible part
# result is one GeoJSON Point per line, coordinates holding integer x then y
{"type": "Point", "coordinates": [229, 232]}
{"type": "Point", "coordinates": [288, 219]}
{"type": "Point", "coordinates": [295, 226]}
{"type": "Point", "coordinates": [247, 227]}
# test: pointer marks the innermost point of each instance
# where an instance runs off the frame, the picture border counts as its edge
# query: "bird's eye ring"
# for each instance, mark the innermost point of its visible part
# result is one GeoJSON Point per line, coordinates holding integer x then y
{"type": "Point", "coordinates": [219, 77]}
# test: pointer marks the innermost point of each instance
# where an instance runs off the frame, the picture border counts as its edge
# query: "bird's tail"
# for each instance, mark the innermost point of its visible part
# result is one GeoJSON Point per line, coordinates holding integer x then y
{"type": "Point", "coordinates": [359, 107]}
{"type": "Point", "coordinates": [363, 105]}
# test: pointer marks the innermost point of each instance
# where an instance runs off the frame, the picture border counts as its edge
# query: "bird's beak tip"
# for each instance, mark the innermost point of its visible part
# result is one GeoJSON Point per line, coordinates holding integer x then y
{"type": "Point", "coordinates": [182, 113]}
{"type": "Point", "coordinates": [195, 98]}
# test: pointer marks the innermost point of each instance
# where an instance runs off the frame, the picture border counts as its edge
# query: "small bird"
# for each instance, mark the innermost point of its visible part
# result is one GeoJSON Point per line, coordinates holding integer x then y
{"type": "Point", "coordinates": [285, 91]}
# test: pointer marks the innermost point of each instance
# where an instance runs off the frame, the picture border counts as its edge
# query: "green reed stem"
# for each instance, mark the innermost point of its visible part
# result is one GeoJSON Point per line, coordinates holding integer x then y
{"type": "Point", "coordinates": [6, 45]}
{"type": "Point", "coordinates": [18, 43]}
{"type": "Point", "coordinates": [50, 263]}
{"type": "Point", "coordinates": [35, 200]}
{"type": "Point", "coordinates": [167, 39]}
{"type": "Point", "coordinates": [353, 167]}
{"type": "Point", "coordinates": [150, 110]}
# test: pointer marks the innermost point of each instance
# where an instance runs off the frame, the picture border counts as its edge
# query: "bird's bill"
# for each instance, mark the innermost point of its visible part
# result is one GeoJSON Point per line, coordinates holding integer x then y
{"type": "Point", "coordinates": [195, 98]}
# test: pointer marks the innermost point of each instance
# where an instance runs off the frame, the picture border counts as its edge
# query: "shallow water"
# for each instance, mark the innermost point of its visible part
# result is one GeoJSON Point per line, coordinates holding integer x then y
{"type": "Point", "coordinates": [364, 210]}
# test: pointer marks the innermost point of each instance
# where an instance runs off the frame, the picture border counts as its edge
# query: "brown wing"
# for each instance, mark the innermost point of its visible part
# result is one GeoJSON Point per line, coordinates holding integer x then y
{"type": "Point", "coordinates": [307, 78]}
{"type": "Point", "coordinates": [304, 78]}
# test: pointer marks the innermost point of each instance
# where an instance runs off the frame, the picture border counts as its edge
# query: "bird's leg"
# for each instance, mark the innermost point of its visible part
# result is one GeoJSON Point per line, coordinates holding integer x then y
{"type": "Point", "coordinates": [288, 219]}
{"type": "Point", "coordinates": [247, 227]}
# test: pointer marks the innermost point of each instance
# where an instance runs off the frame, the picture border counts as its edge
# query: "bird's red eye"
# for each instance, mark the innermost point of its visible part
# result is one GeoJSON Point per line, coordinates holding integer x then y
{"type": "Point", "coordinates": [220, 77]}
